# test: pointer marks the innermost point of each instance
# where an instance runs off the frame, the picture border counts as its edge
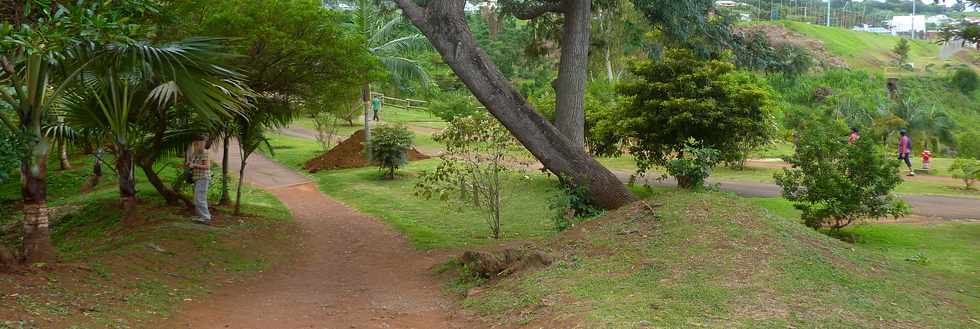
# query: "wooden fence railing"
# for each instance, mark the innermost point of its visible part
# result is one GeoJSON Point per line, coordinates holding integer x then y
{"type": "Point", "coordinates": [402, 103]}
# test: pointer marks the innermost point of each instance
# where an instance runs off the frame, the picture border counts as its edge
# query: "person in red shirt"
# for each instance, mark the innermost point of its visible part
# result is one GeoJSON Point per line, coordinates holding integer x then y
{"type": "Point", "coordinates": [854, 136]}
{"type": "Point", "coordinates": [905, 150]}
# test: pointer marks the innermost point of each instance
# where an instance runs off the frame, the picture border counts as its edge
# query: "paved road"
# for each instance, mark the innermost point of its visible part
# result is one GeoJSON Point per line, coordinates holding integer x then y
{"type": "Point", "coordinates": [944, 207]}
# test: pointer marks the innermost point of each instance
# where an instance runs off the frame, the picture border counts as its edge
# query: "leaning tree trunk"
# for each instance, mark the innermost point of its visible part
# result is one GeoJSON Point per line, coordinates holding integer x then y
{"type": "Point", "coordinates": [443, 23]}
{"type": "Point", "coordinates": [169, 195]}
{"type": "Point", "coordinates": [127, 182]}
{"type": "Point", "coordinates": [241, 180]}
{"type": "Point", "coordinates": [225, 144]}
{"type": "Point", "coordinates": [573, 70]}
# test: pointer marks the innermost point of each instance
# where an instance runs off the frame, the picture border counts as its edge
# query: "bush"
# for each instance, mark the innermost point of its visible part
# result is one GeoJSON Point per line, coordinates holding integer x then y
{"type": "Point", "coordinates": [966, 80]}
{"type": "Point", "coordinates": [966, 169]}
{"type": "Point", "coordinates": [968, 145]}
{"type": "Point", "coordinates": [693, 165]}
{"type": "Point", "coordinates": [835, 183]}
{"type": "Point", "coordinates": [449, 106]}
{"type": "Point", "coordinates": [10, 153]}
{"type": "Point", "coordinates": [389, 148]}
{"type": "Point", "coordinates": [571, 202]}
{"type": "Point", "coordinates": [682, 98]}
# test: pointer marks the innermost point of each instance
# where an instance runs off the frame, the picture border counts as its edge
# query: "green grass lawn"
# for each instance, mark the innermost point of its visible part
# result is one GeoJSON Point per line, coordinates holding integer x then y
{"type": "Point", "coordinates": [429, 224]}
{"type": "Point", "coordinates": [718, 261]}
{"type": "Point", "coordinates": [412, 117]}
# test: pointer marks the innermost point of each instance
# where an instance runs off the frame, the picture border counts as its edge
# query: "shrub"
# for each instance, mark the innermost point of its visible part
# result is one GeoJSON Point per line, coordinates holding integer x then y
{"type": "Point", "coordinates": [10, 153]}
{"type": "Point", "coordinates": [966, 80]}
{"type": "Point", "coordinates": [835, 183]}
{"type": "Point", "coordinates": [966, 169]}
{"type": "Point", "coordinates": [682, 98]}
{"type": "Point", "coordinates": [901, 51]}
{"type": "Point", "coordinates": [693, 165]}
{"type": "Point", "coordinates": [968, 145]}
{"type": "Point", "coordinates": [571, 202]}
{"type": "Point", "coordinates": [389, 148]}
{"type": "Point", "coordinates": [449, 106]}
{"type": "Point", "coordinates": [473, 172]}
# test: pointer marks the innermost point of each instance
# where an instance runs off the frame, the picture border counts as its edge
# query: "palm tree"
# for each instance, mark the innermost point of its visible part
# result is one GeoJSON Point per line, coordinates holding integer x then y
{"type": "Point", "coordinates": [931, 125]}
{"type": "Point", "coordinates": [382, 40]}
{"type": "Point", "coordinates": [129, 82]}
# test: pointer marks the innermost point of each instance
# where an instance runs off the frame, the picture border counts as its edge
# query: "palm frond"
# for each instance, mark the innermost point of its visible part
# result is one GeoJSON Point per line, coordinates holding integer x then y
{"type": "Point", "coordinates": [400, 45]}
{"type": "Point", "coordinates": [404, 69]}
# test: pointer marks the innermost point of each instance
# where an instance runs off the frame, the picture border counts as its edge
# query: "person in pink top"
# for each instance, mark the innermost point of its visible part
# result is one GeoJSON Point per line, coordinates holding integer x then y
{"type": "Point", "coordinates": [905, 149]}
{"type": "Point", "coordinates": [854, 136]}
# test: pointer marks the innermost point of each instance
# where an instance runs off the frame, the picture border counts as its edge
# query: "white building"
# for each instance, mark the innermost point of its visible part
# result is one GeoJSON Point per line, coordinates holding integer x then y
{"type": "Point", "coordinates": [908, 24]}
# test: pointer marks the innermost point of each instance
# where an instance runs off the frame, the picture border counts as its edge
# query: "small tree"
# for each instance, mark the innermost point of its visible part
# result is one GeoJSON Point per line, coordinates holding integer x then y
{"type": "Point", "coordinates": [389, 148]}
{"type": "Point", "coordinates": [966, 169]}
{"type": "Point", "coordinates": [835, 183]}
{"type": "Point", "coordinates": [693, 165]}
{"type": "Point", "coordinates": [681, 98]}
{"type": "Point", "coordinates": [473, 167]}
{"type": "Point", "coordinates": [901, 51]}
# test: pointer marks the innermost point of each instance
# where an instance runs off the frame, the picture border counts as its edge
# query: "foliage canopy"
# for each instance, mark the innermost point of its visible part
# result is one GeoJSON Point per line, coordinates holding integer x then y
{"type": "Point", "coordinates": [683, 98]}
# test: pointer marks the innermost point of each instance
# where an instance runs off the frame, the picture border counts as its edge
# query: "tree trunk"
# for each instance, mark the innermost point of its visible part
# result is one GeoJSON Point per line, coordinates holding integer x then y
{"type": "Point", "coordinates": [63, 152]}
{"type": "Point", "coordinates": [366, 98]}
{"type": "Point", "coordinates": [37, 246]}
{"type": "Point", "coordinates": [127, 182]}
{"type": "Point", "coordinates": [241, 180]}
{"type": "Point", "coordinates": [443, 23]}
{"type": "Point", "coordinates": [169, 195]}
{"type": "Point", "coordinates": [573, 71]}
{"type": "Point", "coordinates": [225, 198]}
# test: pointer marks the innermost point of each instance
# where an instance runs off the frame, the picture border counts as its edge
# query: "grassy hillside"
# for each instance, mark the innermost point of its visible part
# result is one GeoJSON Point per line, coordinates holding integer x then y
{"type": "Point", "coordinates": [869, 50]}
{"type": "Point", "coordinates": [713, 260]}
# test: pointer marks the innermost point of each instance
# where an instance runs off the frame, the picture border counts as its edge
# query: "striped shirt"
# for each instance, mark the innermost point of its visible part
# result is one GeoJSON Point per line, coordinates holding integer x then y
{"type": "Point", "coordinates": [201, 159]}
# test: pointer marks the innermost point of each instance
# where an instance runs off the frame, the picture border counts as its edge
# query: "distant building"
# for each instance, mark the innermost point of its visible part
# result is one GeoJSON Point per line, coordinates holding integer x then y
{"type": "Point", "coordinates": [872, 29]}
{"type": "Point", "coordinates": [726, 4]}
{"type": "Point", "coordinates": [908, 24]}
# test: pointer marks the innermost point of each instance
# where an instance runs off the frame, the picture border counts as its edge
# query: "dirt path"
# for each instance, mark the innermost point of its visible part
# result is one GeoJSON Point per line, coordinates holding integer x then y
{"type": "Point", "coordinates": [354, 272]}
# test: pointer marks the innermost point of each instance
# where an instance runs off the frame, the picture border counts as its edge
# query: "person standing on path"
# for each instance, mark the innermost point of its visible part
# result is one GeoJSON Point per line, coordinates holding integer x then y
{"type": "Point", "coordinates": [905, 150]}
{"type": "Point", "coordinates": [376, 105]}
{"type": "Point", "coordinates": [854, 136]}
{"type": "Point", "coordinates": [200, 166]}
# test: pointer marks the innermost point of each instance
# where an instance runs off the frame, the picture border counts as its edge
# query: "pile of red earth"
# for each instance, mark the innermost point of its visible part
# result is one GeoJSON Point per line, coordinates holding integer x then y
{"type": "Point", "coordinates": [350, 154]}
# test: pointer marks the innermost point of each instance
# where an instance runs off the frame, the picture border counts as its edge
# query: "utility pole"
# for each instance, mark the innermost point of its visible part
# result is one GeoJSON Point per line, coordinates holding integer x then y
{"type": "Point", "coordinates": [828, 12]}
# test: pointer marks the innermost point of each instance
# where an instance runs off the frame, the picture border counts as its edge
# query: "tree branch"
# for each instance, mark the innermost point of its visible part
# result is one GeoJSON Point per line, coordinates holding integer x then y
{"type": "Point", "coordinates": [531, 9]}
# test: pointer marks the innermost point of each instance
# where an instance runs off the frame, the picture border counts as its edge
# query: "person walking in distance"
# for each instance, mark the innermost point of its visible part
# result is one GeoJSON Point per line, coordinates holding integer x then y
{"type": "Point", "coordinates": [854, 136]}
{"type": "Point", "coordinates": [200, 166]}
{"type": "Point", "coordinates": [376, 106]}
{"type": "Point", "coordinates": [905, 150]}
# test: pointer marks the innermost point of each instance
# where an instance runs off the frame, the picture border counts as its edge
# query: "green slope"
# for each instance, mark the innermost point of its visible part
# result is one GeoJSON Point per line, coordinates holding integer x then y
{"type": "Point", "coordinates": [869, 50]}
{"type": "Point", "coordinates": [710, 260]}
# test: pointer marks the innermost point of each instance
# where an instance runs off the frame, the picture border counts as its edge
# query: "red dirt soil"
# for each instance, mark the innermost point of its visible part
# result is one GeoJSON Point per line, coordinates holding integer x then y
{"type": "Point", "coordinates": [350, 154]}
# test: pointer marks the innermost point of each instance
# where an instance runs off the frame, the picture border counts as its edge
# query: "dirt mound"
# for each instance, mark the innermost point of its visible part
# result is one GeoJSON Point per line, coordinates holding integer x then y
{"type": "Point", "coordinates": [350, 154]}
{"type": "Point", "coordinates": [780, 35]}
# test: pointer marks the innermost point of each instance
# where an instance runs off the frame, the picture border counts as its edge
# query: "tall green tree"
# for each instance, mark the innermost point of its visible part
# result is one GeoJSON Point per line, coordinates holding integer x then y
{"type": "Point", "coordinates": [443, 23]}
{"type": "Point", "coordinates": [292, 50]}
{"type": "Point", "coordinates": [129, 82]}
{"type": "Point", "coordinates": [383, 40]}
{"type": "Point", "coordinates": [39, 58]}
{"type": "Point", "coordinates": [682, 98]}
